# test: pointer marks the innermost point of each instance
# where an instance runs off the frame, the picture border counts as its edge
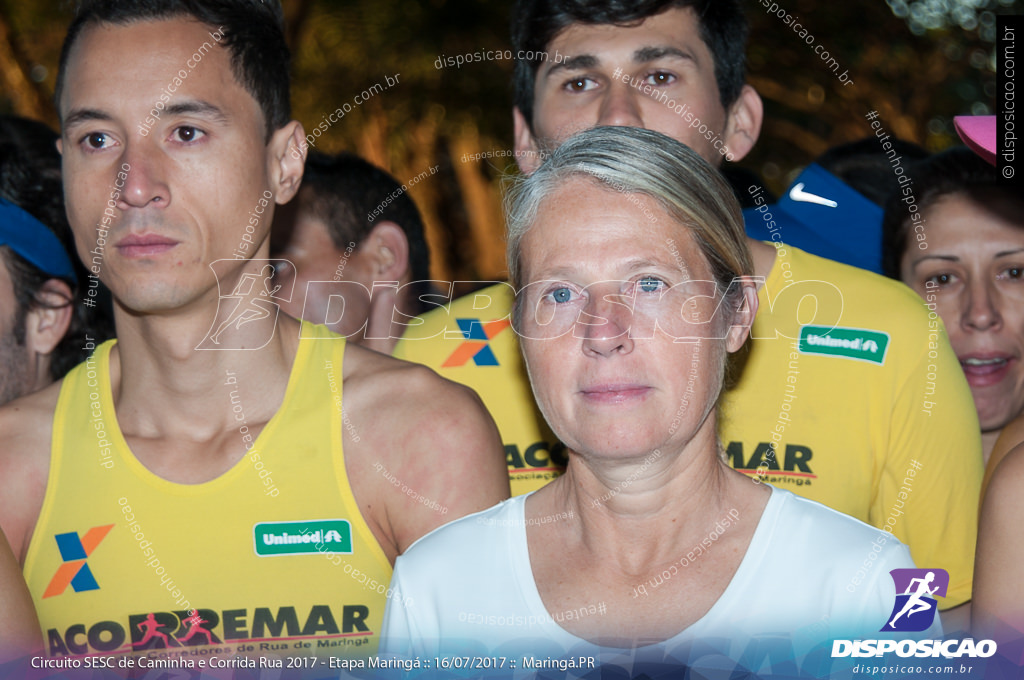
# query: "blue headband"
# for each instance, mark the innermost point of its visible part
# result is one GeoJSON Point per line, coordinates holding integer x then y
{"type": "Point", "coordinates": [34, 241]}
{"type": "Point", "coordinates": [824, 216]}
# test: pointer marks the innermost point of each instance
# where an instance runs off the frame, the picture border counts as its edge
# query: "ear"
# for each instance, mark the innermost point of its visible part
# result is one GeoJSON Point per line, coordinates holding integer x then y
{"type": "Point", "coordinates": [744, 123]}
{"type": "Point", "coordinates": [46, 324]}
{"type": "Point", "coordinates": [386, 248]}
{"type": "Point", "coordinates": [386, 251]}
{"type": "Point", "coordinates": [527, 153]}
{"type": "Point", "coordinates": [743, 316]}
{"type": "Point", "coordinates": [287, 149]}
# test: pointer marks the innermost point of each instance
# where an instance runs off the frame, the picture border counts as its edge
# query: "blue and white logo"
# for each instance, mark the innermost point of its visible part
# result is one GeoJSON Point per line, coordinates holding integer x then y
{"type": "Point", "coordinates": [916, 606]}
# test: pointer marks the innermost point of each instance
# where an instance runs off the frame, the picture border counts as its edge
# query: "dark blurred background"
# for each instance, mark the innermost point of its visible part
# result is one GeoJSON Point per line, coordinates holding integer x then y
{"type": "Point", "coordinates": [917, 62]}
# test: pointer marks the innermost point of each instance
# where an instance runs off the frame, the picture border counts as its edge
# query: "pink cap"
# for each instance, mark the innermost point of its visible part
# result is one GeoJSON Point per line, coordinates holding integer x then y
{"type": "Point", "coordinates": [979, 133]}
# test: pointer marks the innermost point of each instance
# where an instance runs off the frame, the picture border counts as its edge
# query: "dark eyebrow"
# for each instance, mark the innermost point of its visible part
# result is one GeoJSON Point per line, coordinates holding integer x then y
{"type": "Point", "coordinates": [944, 258]}
{"type": "Point", "coordinates": [641, 56]}
{"type": "Point", "coordinates": [79, 116]}
{"type": "Point", "coordinates": [574, 64]}
{"type": "Point", "coordinates": [952, 258]}
{"type": "Point", "coordinates": [647, 54]}
{"type": "Point", "coordinates": [197, 107]}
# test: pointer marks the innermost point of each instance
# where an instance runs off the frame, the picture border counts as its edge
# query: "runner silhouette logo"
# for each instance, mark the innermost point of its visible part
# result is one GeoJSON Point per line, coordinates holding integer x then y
{"type": "Point", "coordinates": [915, 607]}
{"type": "Point", "coordinates": [245, 296]}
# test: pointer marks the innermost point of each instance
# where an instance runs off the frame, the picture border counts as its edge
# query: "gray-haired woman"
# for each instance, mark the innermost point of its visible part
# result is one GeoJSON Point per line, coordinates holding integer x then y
{"type": "Point", "coordinates": [634, 277]}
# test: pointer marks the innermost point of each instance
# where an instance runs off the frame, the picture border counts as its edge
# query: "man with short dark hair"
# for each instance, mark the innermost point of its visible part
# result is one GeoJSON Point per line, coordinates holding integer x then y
{"type": "Point", "coordinates": [353, 235]}
{"type": "Point", "coordinates": [222, 476]}
{"type": "Point", "coordinates": [839, 399]}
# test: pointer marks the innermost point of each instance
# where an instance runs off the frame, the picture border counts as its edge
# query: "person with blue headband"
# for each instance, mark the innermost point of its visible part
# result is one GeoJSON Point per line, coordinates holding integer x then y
{"type": "Point", "coordinates": [29, 332]}
{"type": "Point", "coordinates": [31, 239]}
{"type": "Point", "coordinates": [833, 208]}
{"type": "Point", "coordinates": [43, 322]}
{"type": "Point", "coordinates": [37, 310]}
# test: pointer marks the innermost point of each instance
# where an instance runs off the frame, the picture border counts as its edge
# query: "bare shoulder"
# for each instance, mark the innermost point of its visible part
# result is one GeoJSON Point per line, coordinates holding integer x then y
{"type": "Point", "coordinates": [998, 592]}
{"type": "Point", "coordinates": [426, 444]}
{"type": "Point", "coordinates": [1010, 438]}
{"type": "Point", "coordinates": [1008, 480]}
{"type": "Point", "coordinates": [26, 426]}
{"type": "Point", "coordinates": [399, 389]}
{"type": "Point", "coordinates": [1002, 510]}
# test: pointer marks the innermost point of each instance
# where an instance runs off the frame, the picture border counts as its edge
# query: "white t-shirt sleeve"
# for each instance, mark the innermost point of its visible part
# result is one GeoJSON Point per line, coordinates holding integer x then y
{"type": "Point", "coordinates": [403, 633]}
{"type": "Point", "coordinates": [870, 604]}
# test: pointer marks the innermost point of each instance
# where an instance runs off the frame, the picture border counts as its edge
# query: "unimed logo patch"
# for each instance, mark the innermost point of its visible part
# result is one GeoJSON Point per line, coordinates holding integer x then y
{"type": "Point", "coordinates": [849, 343]}
{"type": "Point", "coordinates": [303, 537]}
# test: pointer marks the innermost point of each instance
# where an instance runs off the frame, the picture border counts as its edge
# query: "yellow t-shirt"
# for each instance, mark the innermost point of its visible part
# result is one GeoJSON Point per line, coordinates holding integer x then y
{"type": "Point", "coordinates": [273, 556]}
{"type": "Point", "coordinates": [471, 342]}
{"type": "Point", "coordinates": [846, 412]}
{"type": "Point", "coordinates": [873, 418]}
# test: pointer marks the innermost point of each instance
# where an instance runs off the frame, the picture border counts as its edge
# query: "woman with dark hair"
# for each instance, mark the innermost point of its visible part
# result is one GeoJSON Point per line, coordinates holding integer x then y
{"type": "Point", "coordinates": [955, 235]}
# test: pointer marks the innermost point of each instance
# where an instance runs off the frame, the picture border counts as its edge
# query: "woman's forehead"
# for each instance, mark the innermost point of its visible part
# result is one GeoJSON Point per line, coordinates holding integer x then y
{"type": "Point", "coordinates": [602, 251]}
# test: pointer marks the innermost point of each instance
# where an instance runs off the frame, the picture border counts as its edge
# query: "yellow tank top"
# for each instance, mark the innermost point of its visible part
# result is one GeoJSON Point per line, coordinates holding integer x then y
{"type": "Point", "coordinates": [271, 560]}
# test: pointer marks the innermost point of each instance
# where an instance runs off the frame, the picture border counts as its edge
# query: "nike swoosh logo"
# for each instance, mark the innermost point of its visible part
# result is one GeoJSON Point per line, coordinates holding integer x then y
{"type": "Point", "coordinates": [797, 193]}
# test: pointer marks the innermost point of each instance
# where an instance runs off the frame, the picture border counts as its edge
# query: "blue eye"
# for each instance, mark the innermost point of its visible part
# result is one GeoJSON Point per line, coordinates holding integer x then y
{"type": "Point", "coordinates": [650, 284]}
{"type": "Point", "coordinates": [561, 295]}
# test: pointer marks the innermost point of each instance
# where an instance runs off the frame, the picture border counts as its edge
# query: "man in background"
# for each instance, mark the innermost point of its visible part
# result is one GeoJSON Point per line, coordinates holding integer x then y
{"type": "Point", "coordinates": [834, 207]}
{"type": "Point", "coordinates": [354, 251]}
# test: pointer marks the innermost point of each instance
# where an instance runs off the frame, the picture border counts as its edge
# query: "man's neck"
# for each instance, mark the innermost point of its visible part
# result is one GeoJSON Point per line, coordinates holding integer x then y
{"type": "Point", "coordinates": [382, 331]}
{"type": "Point", "coordinates": [162, 383]}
